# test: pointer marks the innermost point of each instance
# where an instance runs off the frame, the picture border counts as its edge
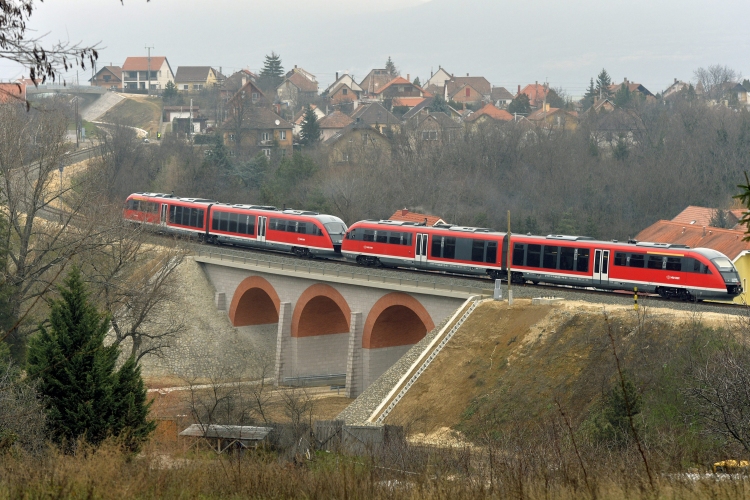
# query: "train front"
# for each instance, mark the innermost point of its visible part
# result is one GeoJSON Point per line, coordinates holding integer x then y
{"type": "Point", "coordinates": [729, 274]}
{"type": "Point", "coordinates": [336, 229]}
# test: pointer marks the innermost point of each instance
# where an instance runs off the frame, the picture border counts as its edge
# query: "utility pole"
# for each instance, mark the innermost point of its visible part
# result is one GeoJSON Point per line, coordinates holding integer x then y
{"type": "Point", "coordinates": [510, 260]}
{"type": "Point", "coordinates": [190, 123]}
{"type": "Point", "coordinates": [148, 74]}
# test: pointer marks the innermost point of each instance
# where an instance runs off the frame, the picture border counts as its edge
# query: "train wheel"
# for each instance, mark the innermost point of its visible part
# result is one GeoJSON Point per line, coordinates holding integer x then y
{"type": "Point", "coordinates": [361, 260]}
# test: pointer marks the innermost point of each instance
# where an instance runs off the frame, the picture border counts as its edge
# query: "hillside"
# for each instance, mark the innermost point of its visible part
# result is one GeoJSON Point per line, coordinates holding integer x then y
{"type": "Point", "coordinates": [507, 367]}
{"type": "Point", "coordinates": [136, 111]}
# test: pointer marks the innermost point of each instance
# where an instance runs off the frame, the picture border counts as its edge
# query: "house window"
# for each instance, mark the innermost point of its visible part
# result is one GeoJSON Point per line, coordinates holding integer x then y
{"type": "Point", "coordinates": [365, 138]}
{"type": "Point", "coordinates": [198, 86]}
{"type": "Point", "coordinates": [132, 74]}
{"type": "Point", "coordinates": [267, 152]}
{"type": "Point", "coordinates": [344, 91]}
{"type": "Point", "coordinates": [230, 137]}
{"type": "Point", "coordinates": [185, 87]}
{"type": "Point", "coordinates": [265, 136]}
{"type": "Point", "coordinates": [344, 157]}
{"type": "Point", "coordinates": [107, 78]}
{"type": "Point", "coordinates": [282, 135]}
{"type": "Point", "coordinates": [468, 92]}
{"type": "Point", "coordinates": [400, 88]}
{"type": "Point", "coordinates": [255, 96]}
{"type": "Point", "coordinates": [429, 135]}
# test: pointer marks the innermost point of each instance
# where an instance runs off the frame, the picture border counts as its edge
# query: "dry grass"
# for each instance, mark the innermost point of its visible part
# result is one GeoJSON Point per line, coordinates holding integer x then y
{"type": "Point", "coordinates": [136, 111]}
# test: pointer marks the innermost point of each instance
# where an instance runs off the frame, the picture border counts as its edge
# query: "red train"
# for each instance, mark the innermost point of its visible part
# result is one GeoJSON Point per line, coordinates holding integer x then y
{"type": "Point", "coordinates": [672, 271]}
{"type": "Point", "coordinates": [303, 233]}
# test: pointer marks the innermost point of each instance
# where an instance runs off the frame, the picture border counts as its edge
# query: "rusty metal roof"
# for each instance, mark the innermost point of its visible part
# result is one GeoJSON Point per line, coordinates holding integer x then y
{"type": "Point", "coordinates": [244, 432]}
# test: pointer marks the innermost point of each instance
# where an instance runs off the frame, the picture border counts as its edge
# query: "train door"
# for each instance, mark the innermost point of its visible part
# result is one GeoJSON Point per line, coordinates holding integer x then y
{"type": "Point", "coordinates": [262, 223]}
{"type": "Point", "coordinates": [163, 220]}
{"type": "Point", "coordinates": [420, 252]}
{"type": "Point", "coordinates": [601, 267]}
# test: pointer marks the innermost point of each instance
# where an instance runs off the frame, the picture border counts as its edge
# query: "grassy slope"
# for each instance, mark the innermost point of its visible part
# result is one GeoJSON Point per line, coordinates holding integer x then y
{"type": "Point", "coordinates": [136, 111]}
{"type": "Point", "coordinates": [511, 365]}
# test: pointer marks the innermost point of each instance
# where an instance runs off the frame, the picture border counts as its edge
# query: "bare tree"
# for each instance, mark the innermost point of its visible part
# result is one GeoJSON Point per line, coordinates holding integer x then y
{"type": "Point", "coordinates": [22, 416]}
{"type": "Point", "coordinates": [715, 78]}
{"type": "Point", "coordinates": [298, 407]}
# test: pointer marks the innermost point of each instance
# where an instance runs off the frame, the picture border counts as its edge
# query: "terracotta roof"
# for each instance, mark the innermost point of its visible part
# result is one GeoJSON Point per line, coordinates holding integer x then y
{"type": "Point", "coordinates": [478, 83]}
{"type": "Point", "coordinates": [303, 83]}
{"type": "Point", "coordinates": [536, 93]}
{"type": "Point", "coordinates": [12, 92]}
{"type": "Point", "coordinates": [190, 73]}
{"type": "Point", "coordinates": [115, 70]}
{"type": "Point", "coordinates": [407, 101]}
{"type": "Point", "coordinates": [407, 216]}
{"type": "Point", "coordinates": [399, 80]}
{"type": "Point", "coordinates": [727, 241]}
{"type": "Point", "coordinates": [375, 80]}
{"type": "Point", "coordinates": [141, 63]}
{"type": "Point", "coordinates": [492, 112]}
{"type": "Point", "coordinates": [337, 119]}
{"type": "Point", "coordinates": [701, 216]}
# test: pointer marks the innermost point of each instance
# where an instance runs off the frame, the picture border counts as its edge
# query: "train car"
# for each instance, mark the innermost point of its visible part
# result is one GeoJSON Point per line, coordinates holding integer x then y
{"type": "Point", "coordinates": [307, 234]}
{"type": "Point", "coordinates": [672, 271]}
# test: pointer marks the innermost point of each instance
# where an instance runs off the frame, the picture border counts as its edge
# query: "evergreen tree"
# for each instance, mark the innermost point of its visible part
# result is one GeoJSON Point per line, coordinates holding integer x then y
{"type": "Point", "coordinates": [621, 149]}
{"type": "Point", "coordinates": [417, 82]}
{"type": "Point", "coordinates": [170, 94]}
{"type": "Point", "coordinates": [439, 104]}
{"type": "Point", "coordinates": [391, 68]}
{"type": "Point", "coordinates": [520, 105]}
{"type": "Point", "coordinates": [623, 96]}
{"type": "Point", "coordinates": [310, 133]}
{"type": "Point", "coordinates": [603, 81]}
{"type": "Point", "coordinates": [84, 395]}
{"type": "Point", "coordinates": [272, 73]}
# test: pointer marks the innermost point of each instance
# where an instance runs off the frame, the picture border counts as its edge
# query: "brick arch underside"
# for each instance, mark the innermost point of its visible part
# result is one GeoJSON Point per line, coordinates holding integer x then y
{"type": "Point", "coordinates": [320, 310]}
{"type": "Point", "coordinates": [396, 319]}
{"type": "Point", "coordinates": [255, 302]}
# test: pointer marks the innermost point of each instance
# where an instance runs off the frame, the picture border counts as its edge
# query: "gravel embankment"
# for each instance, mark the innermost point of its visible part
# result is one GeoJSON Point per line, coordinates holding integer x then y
{"type": "Point", "coordinates": [360, 410]}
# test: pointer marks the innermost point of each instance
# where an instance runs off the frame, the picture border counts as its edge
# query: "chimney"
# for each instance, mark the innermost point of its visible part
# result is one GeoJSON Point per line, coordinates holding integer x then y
{"type": "Point", "coordinates": [704, 231]}
{"type": "Point", "coordinates": [467, 74]}
{"type": "Point", "coordinates": [536, 82]}
{"type": "Point", "coordinates": [404, 212]}
{"type": "Point", "coordinates": [295, 66]}
{"type": "Point", "coordinates": [683, 229]}
{"type": "Point", "coordinates": [337, 76]}
{"type": "Point", "coordinates": [519, 89]}
{"type": "Point", "coordinates": [408, 76]}
{"type": "Point", "coordinates": [675, 80]}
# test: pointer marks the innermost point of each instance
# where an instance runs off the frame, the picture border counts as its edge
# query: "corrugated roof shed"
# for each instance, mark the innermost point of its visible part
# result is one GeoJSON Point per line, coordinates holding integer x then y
{"type": "Point", "coordinates": [243, 432]}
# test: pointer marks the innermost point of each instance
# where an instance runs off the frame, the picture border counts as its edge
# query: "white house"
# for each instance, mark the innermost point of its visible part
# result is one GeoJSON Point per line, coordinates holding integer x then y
{"type": "Point", "coordinates": [135, 72]}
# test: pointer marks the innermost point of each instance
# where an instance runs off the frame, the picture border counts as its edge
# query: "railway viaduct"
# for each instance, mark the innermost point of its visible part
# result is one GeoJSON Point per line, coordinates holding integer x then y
{"type": "Point", "coordinates": [328, 325]}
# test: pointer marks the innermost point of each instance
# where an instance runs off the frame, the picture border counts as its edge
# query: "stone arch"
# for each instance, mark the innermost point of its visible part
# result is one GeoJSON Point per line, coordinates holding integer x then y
{"type": "Point", "coordinates": [320, 310]}
{"type": "Point", "coordinates": [255, 302]}
{"type": "Point", "coordinates": [396, 319]}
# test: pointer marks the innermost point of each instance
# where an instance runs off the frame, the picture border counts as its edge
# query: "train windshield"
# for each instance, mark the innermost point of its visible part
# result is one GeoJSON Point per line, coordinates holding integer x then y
{"type": "Point", "coordinates": [335, 227]}
{"type": "Point", "coordinates": [723, 264]}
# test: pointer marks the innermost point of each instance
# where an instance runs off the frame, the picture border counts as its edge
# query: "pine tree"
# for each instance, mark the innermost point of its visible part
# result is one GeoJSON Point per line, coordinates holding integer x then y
{"type": "Point", "coordinates": [520, 105]}
{"type": "Point", "coordinates": [84, 396]}
{"type": "Point", "coordinates": [603, 81]}
{"type": "Point", "coordinates": [417, 82]}
{"type": "Point", "coordinates": [131, 407]}
{"type": "Point", "coordinates": [590, 96]}
{"type": "Point", "coordinates": [310, 133]}
{"type": "Point", "coordinates": [623, 96]}
{"type": "Point", "coordinates": [391, 68]}
{"type": "Point", "coordinates": [272, 73]}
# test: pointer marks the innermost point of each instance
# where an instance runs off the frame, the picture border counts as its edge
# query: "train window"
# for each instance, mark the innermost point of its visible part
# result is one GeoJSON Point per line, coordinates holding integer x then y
{"type": "Point", "coordinates": [381, 237]}
{"type": "Point", "coordinates": [674, 264]}
{"type": "Point", "coordinates": [550, 257]}
{"type": "Point", "coordinates": [291, 226]}
{"type": "Point", "coordinates": [317, 231]}
{"type": "Point", "coordinates": [463, 249]}
{"type": "Point", "coordinates": [199, 219]}
{"type": "Point", "coordinates": [477, 251]}
{"type": "Point", "coordinates": [395, 238]}
{"type": "Point", "coordinates": [621, 259]}
{"type": "Point", "coordinates": [437, 246]}
{"type": "Point", "coordinates": [567, 258]}
{"type": "Point", "coordinates": [655, 262]}
{"type": "Point", "coordinates": [173, 214]}
{"type": "Point", "coordinates": [449, 249]}
{"type": "Point", "coordinates": [605, 262]}
{"type": "Point", "coordinates": [519, 251]}
{"type": "Point", "coordinates": [278, 224]}
{"type": "Point", "coordinates": [582, 263]}
{"type": "Point", "coordinates": [250, 225]}
{"type": "Point", "coordinates": [352, 234]}
{"type": "Point", "coordinates": [369, 235]}
{"type": "Point", "coordinates": [491, 257]}
{"type": "Point", "coordinates": [133, 205]}
{"type": "Point", "coordinates": [215, 220]}
{"type": "Point", "coordinates": [233, 219]}
{"type": "Point", "coordinates": [637, 260]}
{"type": "Point", "coordinates": [533, 255]}
{"type": "Point", "coordinates": [242, 224]}
{"type": "Point", "coordinates": [406, 239]}
{"type": "Point", "coordinates": [302, 227]}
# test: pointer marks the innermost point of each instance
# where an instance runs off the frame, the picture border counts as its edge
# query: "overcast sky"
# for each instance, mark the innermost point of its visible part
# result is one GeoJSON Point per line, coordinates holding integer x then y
{"type": "Point", "coordinates": [510, 42]}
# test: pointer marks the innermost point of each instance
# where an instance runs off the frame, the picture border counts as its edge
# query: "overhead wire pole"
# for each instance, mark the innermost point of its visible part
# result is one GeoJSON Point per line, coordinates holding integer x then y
{"type": "Point", "coordinates": [510, 274]}
{"type": "Point", "coordinates": [148, 72]}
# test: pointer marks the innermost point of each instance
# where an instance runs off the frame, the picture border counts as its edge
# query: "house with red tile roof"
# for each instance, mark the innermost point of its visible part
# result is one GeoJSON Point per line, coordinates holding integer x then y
{"type": "Point", "coordinates": [489, 113]}
{"type": "Point", "coordinates": [135, 72]}
{"type": "Point", "coordinates": [727, 241]}
{"type": "Point", "coordinates": [557, 118]}
{"type": "Point", "coordinates": [703, 216]}
{"type": "Point", "coordinates": [297, 90]}
{"type": "Point", "coordinates": [535, 92]}
{"type": "Point", "coordinates": [375, 80]}
{"type": "Point", "coordinates": [406, 216]}
{"type": "Point", "coordinates": [468, 89]}
{"type": "Point", "coordinates": [407, 102]}
{"type": "Point", "coordinates": [632, 87]}
{"type": "Point", "coordinates": [398, 88]}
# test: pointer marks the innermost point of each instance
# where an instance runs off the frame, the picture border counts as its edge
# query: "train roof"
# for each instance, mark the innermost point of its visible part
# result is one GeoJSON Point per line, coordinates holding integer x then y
{"type": "Point", "coordinates": [443, 227]}
{"type": "Point", "coordinates": [173, 197]}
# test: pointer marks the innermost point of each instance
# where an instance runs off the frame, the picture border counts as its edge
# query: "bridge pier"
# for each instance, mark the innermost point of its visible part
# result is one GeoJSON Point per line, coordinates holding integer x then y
{"type": "Point", "coordinates": [284, 343]}
{"type": "Point", "coordinates": [354, 357]}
